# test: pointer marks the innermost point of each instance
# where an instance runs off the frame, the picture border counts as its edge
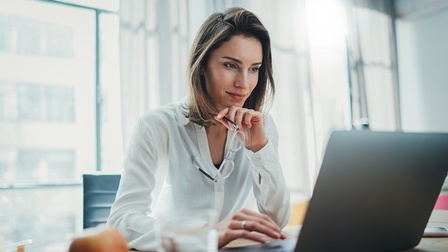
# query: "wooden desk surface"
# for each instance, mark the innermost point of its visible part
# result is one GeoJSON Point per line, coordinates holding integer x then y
{"type": "Point", "coordinates": [439, 218]}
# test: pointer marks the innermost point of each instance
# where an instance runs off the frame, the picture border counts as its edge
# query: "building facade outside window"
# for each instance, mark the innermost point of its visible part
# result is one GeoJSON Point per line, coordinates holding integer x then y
{"type": "Point", "coordinates": [58, 74]}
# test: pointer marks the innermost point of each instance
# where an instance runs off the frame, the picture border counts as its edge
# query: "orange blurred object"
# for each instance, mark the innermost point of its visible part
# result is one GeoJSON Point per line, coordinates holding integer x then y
{"type": "Point", "coordinates": [108, 240]}
{"type": "Point", "coordinates": [298, 211]}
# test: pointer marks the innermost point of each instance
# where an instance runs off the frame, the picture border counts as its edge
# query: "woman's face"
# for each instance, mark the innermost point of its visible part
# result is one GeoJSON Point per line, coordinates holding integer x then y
{"type": "Point", "coordinates": [232, 71]}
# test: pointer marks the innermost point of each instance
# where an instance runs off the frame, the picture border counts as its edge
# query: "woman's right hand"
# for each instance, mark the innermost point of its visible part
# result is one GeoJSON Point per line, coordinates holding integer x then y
{"type": "Point", "coordinates": [249, 225]}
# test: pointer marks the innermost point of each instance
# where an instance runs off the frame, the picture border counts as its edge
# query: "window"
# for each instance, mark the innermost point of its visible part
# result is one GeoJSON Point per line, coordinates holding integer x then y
{"type": "Point", "coordinates": [59, 90]}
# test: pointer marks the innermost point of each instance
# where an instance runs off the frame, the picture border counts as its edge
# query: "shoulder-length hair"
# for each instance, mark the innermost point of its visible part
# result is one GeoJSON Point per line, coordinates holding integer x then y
{"type": "Point", "coordinates": [217, 29]}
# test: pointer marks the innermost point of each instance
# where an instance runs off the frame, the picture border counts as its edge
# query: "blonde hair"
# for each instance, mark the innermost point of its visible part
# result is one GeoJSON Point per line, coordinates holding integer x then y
{"type": "Point", "coordinates": [217, 29]}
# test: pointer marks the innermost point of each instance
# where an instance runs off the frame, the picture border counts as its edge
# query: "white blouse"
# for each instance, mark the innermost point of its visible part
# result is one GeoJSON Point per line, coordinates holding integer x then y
{"type": "Point", "coordinates": [161, 173]}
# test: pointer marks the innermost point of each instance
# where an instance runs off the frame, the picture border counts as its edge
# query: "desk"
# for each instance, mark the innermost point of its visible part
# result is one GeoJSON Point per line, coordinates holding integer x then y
{"type": "Point", "coordinates": [439, 218]}
{"type": "Point", "coordinates": [427, 244]}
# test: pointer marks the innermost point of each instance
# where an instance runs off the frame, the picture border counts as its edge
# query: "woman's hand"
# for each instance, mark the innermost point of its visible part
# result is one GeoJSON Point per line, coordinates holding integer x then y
{"type": "Point", "coordinates": [243, 223]}
{"type": "Point", "coordinates": [250, 121]}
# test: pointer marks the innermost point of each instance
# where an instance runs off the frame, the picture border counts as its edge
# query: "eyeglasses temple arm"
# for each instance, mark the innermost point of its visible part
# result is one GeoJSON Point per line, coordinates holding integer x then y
{"type": "Point", "coordinates": [233, 123]}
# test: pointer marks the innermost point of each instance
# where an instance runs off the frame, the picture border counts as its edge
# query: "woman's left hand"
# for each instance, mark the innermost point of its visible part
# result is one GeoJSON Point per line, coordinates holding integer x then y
{"type": "Point", "coordinates": [250, 121]}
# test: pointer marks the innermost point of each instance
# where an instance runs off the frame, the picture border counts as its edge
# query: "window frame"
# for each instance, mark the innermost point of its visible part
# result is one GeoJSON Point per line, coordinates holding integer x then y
{"type": "Point", "coordinates": [97, 94]}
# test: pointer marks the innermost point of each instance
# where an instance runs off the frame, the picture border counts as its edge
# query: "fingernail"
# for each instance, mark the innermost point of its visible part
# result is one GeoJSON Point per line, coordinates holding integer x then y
{"type": "Point", "coordinates": [276, 234]}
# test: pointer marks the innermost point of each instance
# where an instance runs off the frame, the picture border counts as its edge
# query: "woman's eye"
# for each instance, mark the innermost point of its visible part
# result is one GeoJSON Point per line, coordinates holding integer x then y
{"type": "Point", "coordinates": [230, 65]}
{"type": "Point", "coordinates": [254, 69]}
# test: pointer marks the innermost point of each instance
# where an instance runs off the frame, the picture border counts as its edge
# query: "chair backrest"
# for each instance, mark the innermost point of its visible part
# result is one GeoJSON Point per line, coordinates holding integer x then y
{"type": "Point", "coordinates": [99, 195]}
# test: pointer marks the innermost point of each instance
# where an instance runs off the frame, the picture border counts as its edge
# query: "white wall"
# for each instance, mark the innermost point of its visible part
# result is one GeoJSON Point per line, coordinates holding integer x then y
{"type": "Point", "coordinates": [423, 72]}
{"type": "Point", "coordinates": [422, 44]}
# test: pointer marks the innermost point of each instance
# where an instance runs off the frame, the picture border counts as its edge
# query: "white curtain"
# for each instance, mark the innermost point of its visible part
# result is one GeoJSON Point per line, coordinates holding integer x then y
{"type": "Point", "coordinates": [373, 64]}
{"type": "Point", "coordinates": [155, 40]}
{"type": "Point", "coordinates": [154, 44]}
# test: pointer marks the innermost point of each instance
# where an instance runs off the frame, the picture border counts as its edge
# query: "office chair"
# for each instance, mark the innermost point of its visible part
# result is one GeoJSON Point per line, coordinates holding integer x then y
{"type": "Point", "coordinates": [99, 194]}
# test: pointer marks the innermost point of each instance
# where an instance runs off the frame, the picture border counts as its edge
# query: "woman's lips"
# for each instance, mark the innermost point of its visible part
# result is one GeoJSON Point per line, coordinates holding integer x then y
{"type": "Point", "coordinates": [237, 97]}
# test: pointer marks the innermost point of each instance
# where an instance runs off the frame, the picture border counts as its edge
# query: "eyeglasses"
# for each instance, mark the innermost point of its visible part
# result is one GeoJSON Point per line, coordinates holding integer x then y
{"type": "Point", "coordinates": [236, 143]}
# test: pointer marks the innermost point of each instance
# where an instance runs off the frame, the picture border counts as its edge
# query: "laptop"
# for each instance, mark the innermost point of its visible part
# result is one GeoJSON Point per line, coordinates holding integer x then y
{"type": "Point", "coordinates": [375, 192]}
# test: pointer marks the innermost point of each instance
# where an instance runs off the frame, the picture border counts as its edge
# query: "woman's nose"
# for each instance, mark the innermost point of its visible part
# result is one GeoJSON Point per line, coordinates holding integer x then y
{"type": "Point", "coordinates": [242, 79]}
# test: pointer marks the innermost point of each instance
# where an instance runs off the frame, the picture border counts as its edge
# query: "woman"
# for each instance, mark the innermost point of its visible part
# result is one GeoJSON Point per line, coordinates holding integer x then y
{"type": "Point", "coordinates": [180, 155]}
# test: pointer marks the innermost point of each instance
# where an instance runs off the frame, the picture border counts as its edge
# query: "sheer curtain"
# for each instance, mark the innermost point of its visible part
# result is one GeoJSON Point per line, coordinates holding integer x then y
{"type": "Point", "coordinates": [372, 64]}
{"type": "Point", "coordinates": [311, 96]}
{"type": "Point", "coordinates": [154, 45]}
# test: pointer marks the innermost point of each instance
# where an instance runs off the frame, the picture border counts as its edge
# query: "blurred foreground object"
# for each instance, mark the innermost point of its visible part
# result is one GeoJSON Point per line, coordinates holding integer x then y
{"type": "Point", "coordinates": [108, 240]}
